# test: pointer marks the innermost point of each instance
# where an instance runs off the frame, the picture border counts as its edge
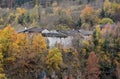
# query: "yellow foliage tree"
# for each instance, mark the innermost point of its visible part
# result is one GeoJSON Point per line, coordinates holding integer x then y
{"type": "Point", "coordinates": [28, 52]}
{"type": "Point", "coordinates": [2, 75]}
{"type": "Point", "coordinates": [54, 59]}
{"type": "Point", "coordinates": [107, 4]}
{"type": "Point", "coordinates": [20, 10]}
{"type": "Point", "coordinates": [97, 39]}
{"type": "Point", "coordinates": [7, 38]}
{"type": "Point", "coordinates": [22, 42]}
{"type": "Point", "coordinates": [17, 48]}
{"type": "Point", "coordinates": [7, 53]}
{"type": "Point", "coordinates": [111, 10]}
{"type": "Point", "coordinates": [39, 43]}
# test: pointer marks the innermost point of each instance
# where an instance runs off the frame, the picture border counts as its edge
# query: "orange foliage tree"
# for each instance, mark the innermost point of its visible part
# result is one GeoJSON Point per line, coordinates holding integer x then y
{"type": "Point", "coordinates": [93, 70]}
{"type": "Point", "coordinates": [39, 43]}
{"type": "Point", "coordinates": [88, 16]}
{"type": "Point", "coordinates": [20, 54]}
{"type": "Point", "coordinates": [29, 56]}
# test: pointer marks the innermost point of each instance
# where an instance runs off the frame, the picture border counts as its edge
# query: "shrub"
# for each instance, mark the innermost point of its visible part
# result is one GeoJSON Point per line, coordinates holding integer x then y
{"type": "Point", "coordinates": [106, 20]}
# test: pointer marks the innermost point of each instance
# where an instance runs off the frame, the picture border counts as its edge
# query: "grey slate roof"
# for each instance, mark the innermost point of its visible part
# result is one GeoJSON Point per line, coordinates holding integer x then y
{"type": "Point", "coordinates": [33, 29]}
{"type": "Point", "coordinates": [68, 33]}
{"type": "Point", "coordinates": [84, 32]}
{"type": "Point", "coordinates": [54, 33]}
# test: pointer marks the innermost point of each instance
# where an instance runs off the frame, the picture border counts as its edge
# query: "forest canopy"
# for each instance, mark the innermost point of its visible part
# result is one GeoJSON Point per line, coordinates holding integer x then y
{"type": "Point", "coordinates": [95, 54]}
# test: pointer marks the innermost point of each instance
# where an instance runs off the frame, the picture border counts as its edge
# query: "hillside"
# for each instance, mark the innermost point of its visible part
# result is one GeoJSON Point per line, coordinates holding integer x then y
{"type": "Point", "coordinates": [66, 14]}
{"type": "Point", "coordinates": [44, 3]}
{"type": "Point", "coordinates": [59, 39]}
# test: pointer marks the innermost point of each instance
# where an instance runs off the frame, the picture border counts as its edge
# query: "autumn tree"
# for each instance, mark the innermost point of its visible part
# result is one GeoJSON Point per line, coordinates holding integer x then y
{"type": "Point", "coordinates": [2, 74]}
{"type": "Point", "coordinates": [106, 21]}
{"type": "Point", "coordinates": [21, 54]}
{"type": "Point", "coordinates": [116, 36]}
{"type": "Point", "coordinates": [97, 39]}
{"type": "Point", "coordinates": [71, 67]}
{"type": "Point", "coordinates": [54, 60]}
{"type": "Point", "coordinates": [111, 42]}
{"type": "Point", "coordinates": [118, 70]}
{"type": "Point", "coordinates": [30, 57]}
{"type": "Point", "coordinates": [7, 38]}
{"type": "Point", "coordinates": [95, 43]}
{"type": "Point", "coordinates": [93, 69]}
{"type": "Point", "coordinates": [111, 10]}
{"type": "Point", "coordinates": [39, 43]}
{"type": "Point", "coordinates": [20, 16]}
{"type": "Point", "coordinates": [88, 17]}
{"type": "Point", "coordinates": [109, 48]}
{"type": "Point", "coordinates": [25, 56]}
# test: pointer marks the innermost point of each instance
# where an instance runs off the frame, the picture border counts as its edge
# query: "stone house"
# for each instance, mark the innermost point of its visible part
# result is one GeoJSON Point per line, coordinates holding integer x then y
{"type": "Point", "coordinates": [55, 37]}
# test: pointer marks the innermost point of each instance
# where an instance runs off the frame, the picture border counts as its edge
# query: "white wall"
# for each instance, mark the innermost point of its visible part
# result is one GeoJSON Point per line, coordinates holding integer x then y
{"type": "Point", "coordinates": [66, 42]}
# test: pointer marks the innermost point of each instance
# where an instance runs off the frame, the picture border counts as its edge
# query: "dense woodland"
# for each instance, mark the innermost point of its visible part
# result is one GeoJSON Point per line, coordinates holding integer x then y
{"type": "Point", "coordinates": [24, 58]}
